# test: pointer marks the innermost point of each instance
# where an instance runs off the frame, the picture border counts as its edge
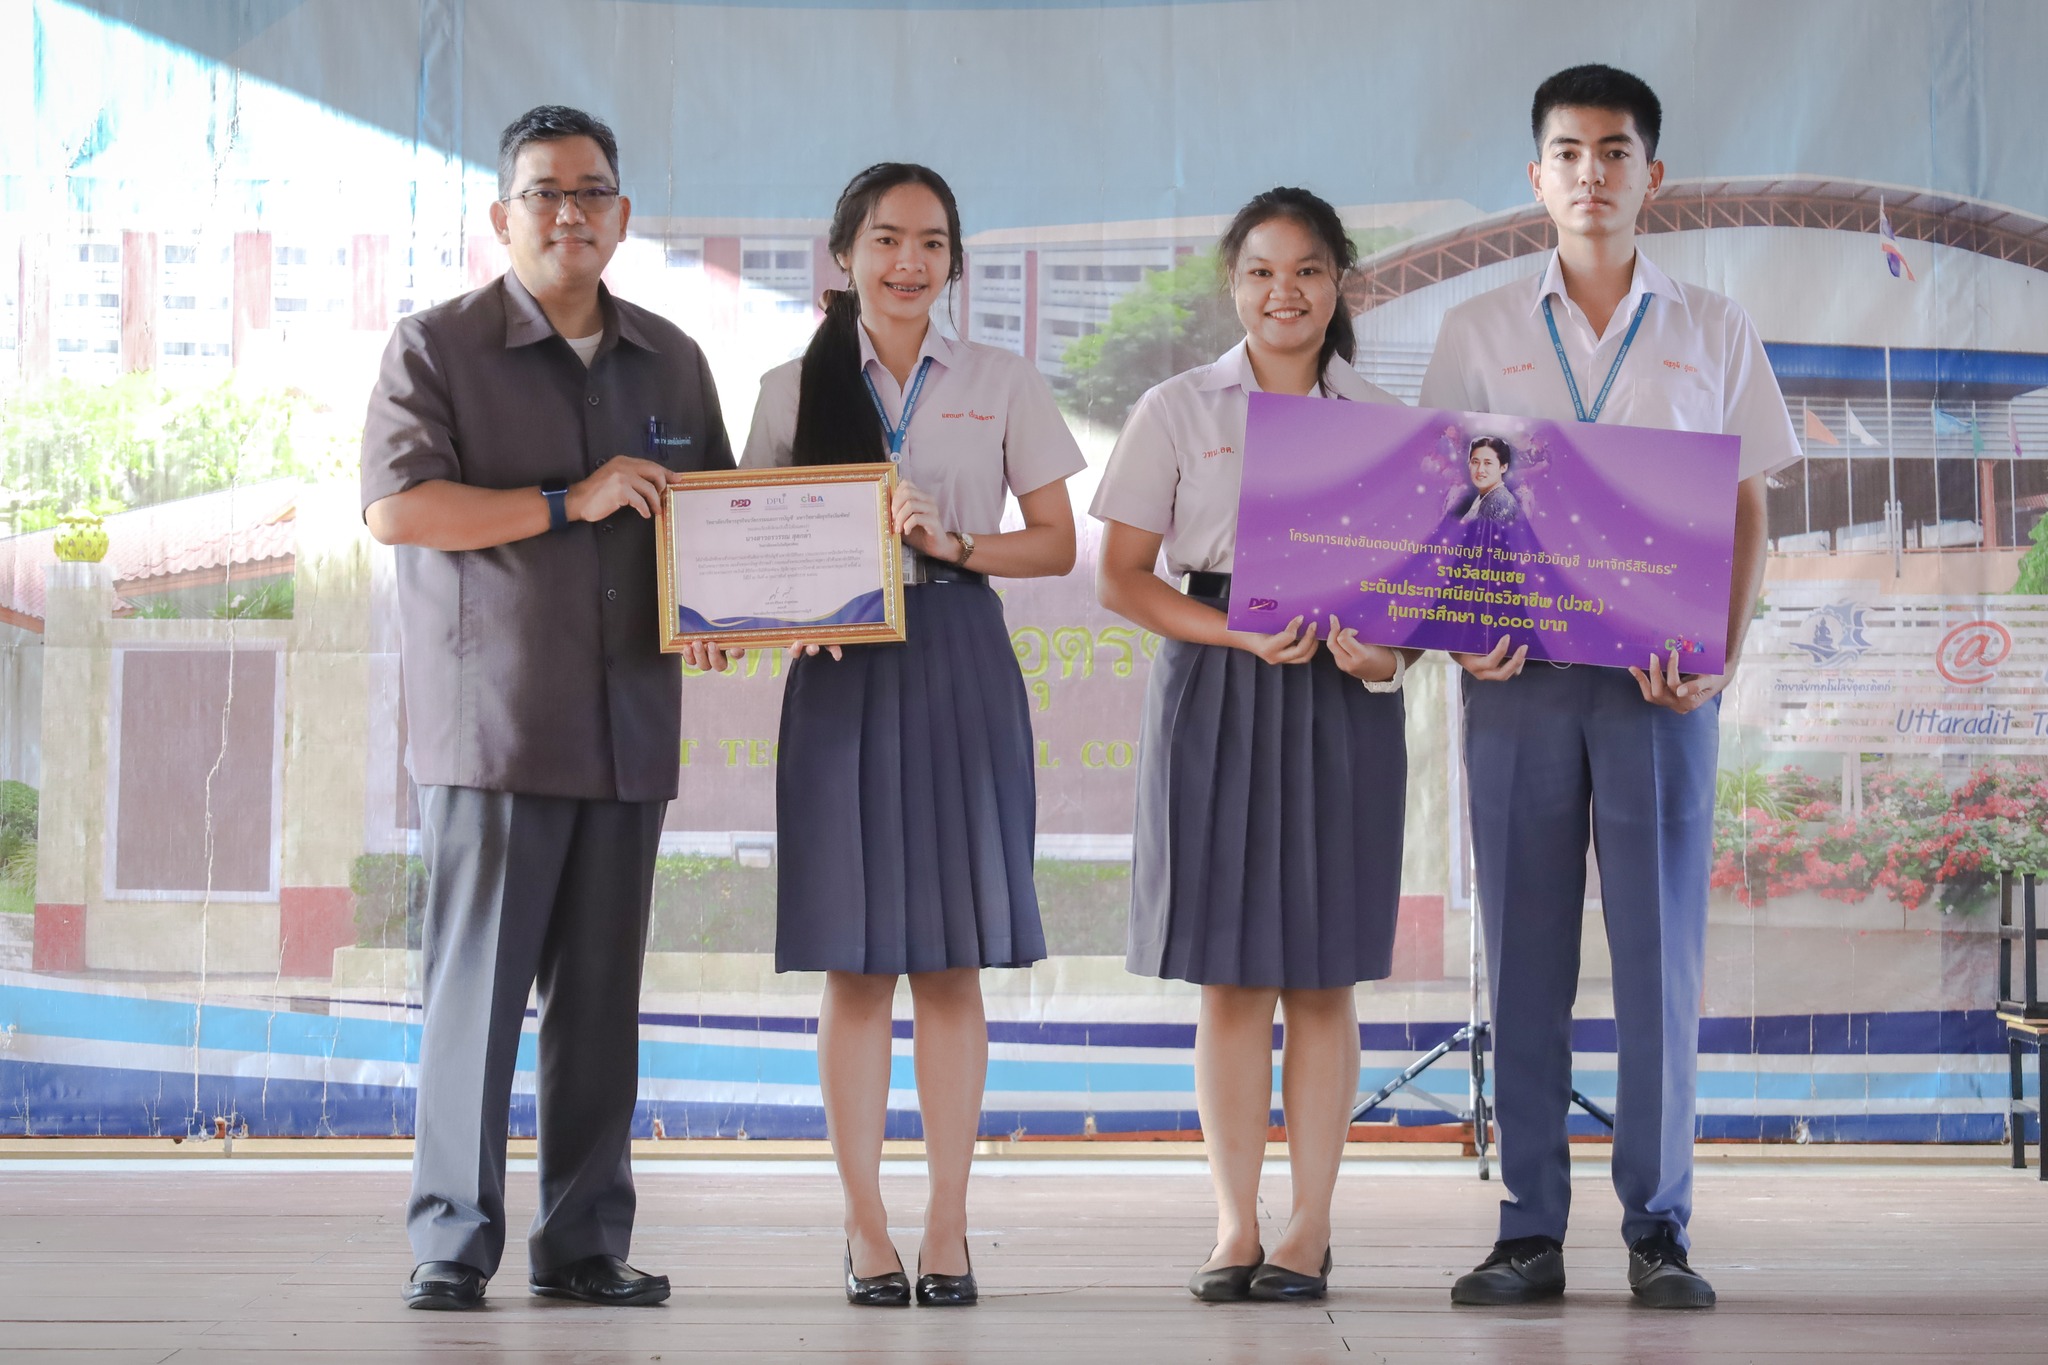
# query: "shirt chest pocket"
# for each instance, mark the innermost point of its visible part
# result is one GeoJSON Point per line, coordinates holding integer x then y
{"type": "Point", "coordinates": [1676, 400]}
{"type": "Point", "coordinates": [958, 459]}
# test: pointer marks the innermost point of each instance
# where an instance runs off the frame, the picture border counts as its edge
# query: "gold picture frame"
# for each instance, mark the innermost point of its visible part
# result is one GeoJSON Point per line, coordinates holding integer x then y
{"type": "Point", "coordinates": [734, 546]}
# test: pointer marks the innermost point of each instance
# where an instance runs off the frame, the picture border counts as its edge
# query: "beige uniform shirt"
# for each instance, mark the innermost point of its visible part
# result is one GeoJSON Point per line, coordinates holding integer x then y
{"type": "Point", "coordinates": [985, 423]}
{"type": "Point", "coordinates": [1180, 459]}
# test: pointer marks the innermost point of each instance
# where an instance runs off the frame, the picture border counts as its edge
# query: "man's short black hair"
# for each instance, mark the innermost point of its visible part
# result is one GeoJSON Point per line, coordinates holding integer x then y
{"type": "Point", "coordinates": [1494, 443]}
{"type": "Point", "coordinates": [1600, 87]}
{"type": "Point", "coordinates": [551, 123]}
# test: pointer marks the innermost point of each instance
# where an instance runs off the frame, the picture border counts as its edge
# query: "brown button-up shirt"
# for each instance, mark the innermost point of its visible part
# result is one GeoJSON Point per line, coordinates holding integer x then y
{"type": "Point", "coordinates": [536, 667]}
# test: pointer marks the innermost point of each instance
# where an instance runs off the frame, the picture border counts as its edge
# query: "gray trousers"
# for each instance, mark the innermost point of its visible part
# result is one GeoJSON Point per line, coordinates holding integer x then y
{"type": "Point", "coordinates": [1556, 756]}
{"type": "Point", "coordinates": [525, 891]}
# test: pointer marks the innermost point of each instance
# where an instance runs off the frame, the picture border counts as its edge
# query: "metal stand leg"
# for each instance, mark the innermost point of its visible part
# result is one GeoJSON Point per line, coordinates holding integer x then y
{"type": "Point", "coordinates": [2016, 1116]}
{"type": "Point", "coordinates": [2039, 1095]}
{"type": "Point", "coordinates": [1482, 1112]}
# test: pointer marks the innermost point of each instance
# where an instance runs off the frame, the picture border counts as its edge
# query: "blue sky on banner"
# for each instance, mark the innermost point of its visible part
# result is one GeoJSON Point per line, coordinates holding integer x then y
{"type": "Point", "coordinates": [1050, 111]}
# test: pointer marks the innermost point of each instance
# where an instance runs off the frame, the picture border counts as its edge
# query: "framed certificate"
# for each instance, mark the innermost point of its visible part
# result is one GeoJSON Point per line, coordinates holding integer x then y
{"type": "Point", "coordinates": [770, 556]}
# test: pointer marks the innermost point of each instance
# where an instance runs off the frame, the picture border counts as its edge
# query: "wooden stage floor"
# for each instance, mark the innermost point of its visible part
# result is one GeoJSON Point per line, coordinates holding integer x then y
{"type": "Point", "coordinates": [1081, 1261]}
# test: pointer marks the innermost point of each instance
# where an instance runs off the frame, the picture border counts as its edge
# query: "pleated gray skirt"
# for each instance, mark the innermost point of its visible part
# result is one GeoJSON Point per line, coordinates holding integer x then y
{"type": "Point", "coordinates": [1267, 850]}
{"type": "Point", "coordinates": [905, 800]}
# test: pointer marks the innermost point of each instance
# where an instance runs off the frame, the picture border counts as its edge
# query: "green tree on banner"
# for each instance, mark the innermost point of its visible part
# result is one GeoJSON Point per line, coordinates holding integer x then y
{"type": "Point", "coordinates": [2034, 563]}
{"type": "Point", "coordinates": [1177, 319]}
{"type": "Point", "coordinates": [132, 443]}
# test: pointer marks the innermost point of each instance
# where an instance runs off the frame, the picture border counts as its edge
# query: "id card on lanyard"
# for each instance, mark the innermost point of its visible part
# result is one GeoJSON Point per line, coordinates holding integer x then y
{"type": "Point", "coordinates": [901, 430]}
{"type": "Point", "coordinates": [1570, 381]}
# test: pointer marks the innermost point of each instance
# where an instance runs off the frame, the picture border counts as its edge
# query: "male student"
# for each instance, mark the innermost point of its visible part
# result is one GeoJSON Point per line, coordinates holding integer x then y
{"type": "Point", "coordinates": [1556, 754]}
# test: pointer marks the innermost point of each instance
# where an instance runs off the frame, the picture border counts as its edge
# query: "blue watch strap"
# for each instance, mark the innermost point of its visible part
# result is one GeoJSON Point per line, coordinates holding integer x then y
{"type": "Point", "coordinates": [556, 491]}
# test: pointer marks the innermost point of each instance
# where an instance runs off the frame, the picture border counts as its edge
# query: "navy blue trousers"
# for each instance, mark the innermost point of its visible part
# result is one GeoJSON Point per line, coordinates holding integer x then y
{"type": "Point", "coordinates": [1553, 757]}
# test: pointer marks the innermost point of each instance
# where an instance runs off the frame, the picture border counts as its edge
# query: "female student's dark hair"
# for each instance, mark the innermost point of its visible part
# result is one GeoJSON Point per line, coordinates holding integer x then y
{"type": "Point", "coordinates": [1322, 222]}
{"type": "Point", "coordinates": [836, 421]}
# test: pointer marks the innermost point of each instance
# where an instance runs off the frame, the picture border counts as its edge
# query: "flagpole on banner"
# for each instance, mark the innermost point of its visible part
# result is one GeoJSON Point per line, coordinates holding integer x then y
{"type": "Point", "coordinates": [1894, 514]}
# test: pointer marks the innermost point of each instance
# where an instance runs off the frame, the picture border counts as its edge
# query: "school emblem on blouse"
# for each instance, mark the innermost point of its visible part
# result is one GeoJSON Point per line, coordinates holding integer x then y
{"type": "Point", "coordinates": [1833, 635]}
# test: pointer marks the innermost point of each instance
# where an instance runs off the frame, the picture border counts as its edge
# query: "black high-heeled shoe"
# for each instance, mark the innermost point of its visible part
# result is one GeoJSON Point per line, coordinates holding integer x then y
{"type": "Point", "coordinates": [948, 1291]}
{"type": "Point", "coordinates": [876, 1291]}
{"type": "Point", "coordinates": [1225, 1283]}
{"type": "Point", "coordinates": [1272, 1282]}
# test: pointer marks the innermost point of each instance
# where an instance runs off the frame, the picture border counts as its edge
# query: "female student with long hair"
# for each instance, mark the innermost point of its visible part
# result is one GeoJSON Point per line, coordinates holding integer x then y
{"type": "Point", "coordinates": [905, 798]}
{"type": "Point", "coordinates": [1267, 858]}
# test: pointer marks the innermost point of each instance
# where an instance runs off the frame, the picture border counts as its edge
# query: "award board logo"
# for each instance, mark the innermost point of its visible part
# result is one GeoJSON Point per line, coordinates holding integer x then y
{"type": "Point", "coordinates": [742, 502]}
{"type": "Point", "coordinates": [1683, 644]}
{"type": "Point", "coordinates": [811, 499]}
{"type": "Point", "coordinates": [1262, 604]}
{"type": "Point", "coordinates": [1833, 635]}
{"type": "Point", "coordinates": [1969, 655]}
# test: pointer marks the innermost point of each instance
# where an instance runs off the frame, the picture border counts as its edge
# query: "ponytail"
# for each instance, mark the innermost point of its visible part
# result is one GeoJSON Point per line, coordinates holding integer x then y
{"type": "Point", "coordinates": [836, 421]}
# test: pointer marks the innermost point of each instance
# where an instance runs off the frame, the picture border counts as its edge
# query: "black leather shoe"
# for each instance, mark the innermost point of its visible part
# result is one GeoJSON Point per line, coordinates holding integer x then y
{"type": "Point", "coordinates": [1273, 1283]}
{"type": "Point", "coordinates": [877, 1291]}
{"type": "Point", "coordinates": [445, 1285]}
{"type": "Point", "coordinates": [1520, 1270]}
{"type": "Point", "coordinates": [1224, 1283]}
{"type": "Point", "coordinates": [600, 1279]}
{"type": "Point", "coordinates": [1660, 1278]}
{"type": "Point", "coordinates": [948, 1291]}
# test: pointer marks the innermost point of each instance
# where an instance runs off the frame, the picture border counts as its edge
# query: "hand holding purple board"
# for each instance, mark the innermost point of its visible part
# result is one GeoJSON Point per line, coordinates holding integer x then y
{"type": "Point", "coordinates": [1448, 530]}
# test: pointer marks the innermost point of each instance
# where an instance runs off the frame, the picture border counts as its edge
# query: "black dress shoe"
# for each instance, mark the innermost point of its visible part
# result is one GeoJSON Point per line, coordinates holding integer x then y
{"type": "Point", "coordinates": [1224, 1283]}
{"type": "Point", "coordinates": [877, 1291]}
{"type": "Point", "coordinates": [1275, 1282]}
{"type": "Point", "coordinates": [600, 1279]}
{"type": "Point", "coordinates": [1659, 1276]}
{"type": "Point", "coordinates": [948, 1291]}
{"type": "Point", "coordinates": [445, 1285]}
{"type": "Point", "coordinates": [1520, 1270]}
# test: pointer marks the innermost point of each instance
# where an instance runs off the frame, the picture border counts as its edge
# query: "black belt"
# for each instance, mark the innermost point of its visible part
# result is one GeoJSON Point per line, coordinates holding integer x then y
{"type": "Point", "coordinates": [939, 571]}
{"type": "Point", "coordinates": [1199, 584]}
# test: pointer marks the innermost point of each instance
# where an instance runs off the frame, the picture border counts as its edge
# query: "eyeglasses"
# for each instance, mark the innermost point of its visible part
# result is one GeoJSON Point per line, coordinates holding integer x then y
{"type": "Point", "coordinates": [594, 200]}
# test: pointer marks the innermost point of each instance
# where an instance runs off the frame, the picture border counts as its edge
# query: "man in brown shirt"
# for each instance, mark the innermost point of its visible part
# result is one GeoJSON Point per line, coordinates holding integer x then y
{"type": "Point", "coordinates": [543, 720]}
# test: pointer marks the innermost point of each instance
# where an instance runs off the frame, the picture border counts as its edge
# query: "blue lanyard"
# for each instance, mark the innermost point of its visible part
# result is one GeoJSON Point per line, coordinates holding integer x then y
{"type": "Point", "coordinates": [1600, 402]}
{"type": "Point", "coordinates": [902, 428]}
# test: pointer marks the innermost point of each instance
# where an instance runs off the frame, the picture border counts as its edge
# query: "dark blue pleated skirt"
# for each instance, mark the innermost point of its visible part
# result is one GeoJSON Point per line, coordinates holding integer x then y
{"type": "Point", "coordinates": [905, 799]}
{"type": "Point", "coordinates": [1267, 849]}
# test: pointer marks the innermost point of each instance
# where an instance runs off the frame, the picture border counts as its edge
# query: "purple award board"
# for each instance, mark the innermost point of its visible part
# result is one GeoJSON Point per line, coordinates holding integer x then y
{"type": "Point", "coordinates": [1591, 544]}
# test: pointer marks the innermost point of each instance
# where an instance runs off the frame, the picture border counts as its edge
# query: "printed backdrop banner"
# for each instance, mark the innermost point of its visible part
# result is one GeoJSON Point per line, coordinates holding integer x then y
{"type": "Point", "coordinates": [212, 215]}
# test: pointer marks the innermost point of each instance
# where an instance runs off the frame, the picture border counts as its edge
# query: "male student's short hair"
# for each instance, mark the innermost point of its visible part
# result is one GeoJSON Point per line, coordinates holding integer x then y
{"type": "Point", "coordinates": [1600, 87]}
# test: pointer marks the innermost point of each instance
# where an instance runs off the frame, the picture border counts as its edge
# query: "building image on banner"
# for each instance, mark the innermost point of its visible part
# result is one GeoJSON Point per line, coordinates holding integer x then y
{"type": "Point", "coordinates": [212, 883]}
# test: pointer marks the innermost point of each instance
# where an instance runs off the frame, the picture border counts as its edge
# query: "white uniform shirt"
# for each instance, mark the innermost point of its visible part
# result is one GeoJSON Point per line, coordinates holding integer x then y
{"type": "Point", "coordinates": [1697, 363]}
{"type": "Point", "coordinates": [985, 421]}
{"type": "Point", "coordinates": [1177, 466]}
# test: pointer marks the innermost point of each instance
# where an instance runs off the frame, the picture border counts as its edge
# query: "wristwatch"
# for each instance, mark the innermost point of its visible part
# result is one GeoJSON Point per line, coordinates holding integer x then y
{"type": "Point", "coordinates": [966, 539]}
{"type": "Point", "coordinates": [556, 491]}
{"type": "Point", "coordinates": [1392, 684]}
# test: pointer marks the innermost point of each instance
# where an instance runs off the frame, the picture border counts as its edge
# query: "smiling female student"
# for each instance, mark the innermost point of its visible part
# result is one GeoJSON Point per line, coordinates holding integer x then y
{"type": "Point", "coordinates": [905, 798]}
{"type": "Point", "coordinates": [1272, 772]}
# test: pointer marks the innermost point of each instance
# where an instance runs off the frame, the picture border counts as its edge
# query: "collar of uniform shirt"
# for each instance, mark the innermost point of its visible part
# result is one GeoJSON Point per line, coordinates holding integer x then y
{"type": "Point", "coordinates": [935, 345]}
{"type": "Point", "coordinates": [1647, 279]}
{"type": "Point", "coordinates": [526, 323]}
{"type": "Point", "coordinates": [1233, 369]}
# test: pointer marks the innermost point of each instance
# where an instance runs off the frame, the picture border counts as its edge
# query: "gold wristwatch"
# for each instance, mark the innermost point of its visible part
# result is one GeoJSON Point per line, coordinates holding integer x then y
{"type": "Point", "coordinates": [966, 539]}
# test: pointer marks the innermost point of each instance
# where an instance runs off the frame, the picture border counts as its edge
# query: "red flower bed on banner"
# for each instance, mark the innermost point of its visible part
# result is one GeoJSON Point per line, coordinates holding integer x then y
{"type": "Point", "coordinates": [1783, 832]}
